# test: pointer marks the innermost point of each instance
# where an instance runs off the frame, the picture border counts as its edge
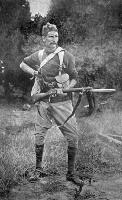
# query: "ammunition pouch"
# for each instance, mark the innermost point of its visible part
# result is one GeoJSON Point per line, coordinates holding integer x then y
{"type": "Point", "coordinates": [46, 86]}
{"type": "Point", "coordinates": [61, 81]}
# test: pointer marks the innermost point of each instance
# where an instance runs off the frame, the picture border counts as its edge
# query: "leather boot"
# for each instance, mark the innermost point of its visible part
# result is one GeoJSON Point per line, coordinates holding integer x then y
{"type": "Point", "coordinates": [70, 176]}
{"type": "Point", "coordinates": [38, 171]}
{"type": "Point", "coordinates": [39, 153]}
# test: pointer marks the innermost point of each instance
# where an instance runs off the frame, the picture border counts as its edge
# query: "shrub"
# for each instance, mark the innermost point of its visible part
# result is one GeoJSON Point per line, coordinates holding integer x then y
{"type": "Point", "coordinates": [100, 63]}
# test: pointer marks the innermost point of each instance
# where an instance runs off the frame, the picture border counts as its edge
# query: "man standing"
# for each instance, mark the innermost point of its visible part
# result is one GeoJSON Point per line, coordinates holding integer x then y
{"type": "Point", "coordinates": [53, 69]}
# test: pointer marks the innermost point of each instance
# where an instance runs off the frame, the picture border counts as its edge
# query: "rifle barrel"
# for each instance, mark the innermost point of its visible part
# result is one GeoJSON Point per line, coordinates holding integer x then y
{"type": "Point", "coordinates": [88, 89]}
{"type": "Point", "coordinates": [103, 90]}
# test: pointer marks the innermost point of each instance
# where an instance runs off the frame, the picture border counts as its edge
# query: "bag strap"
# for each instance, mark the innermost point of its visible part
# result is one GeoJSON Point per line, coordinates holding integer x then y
{"type": "Point", "coordinates": [40, 54]}
{"type": "Point", "coordinates": [61, 57]}
{"type": "Point", "coordinates": [49, 57]}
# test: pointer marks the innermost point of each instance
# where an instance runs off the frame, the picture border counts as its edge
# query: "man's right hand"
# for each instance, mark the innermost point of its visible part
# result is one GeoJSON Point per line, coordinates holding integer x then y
{"type": "Point", "coordinates": [35, 73]}
{"type": "Point", "coordinates": [56, 91]}
{"type": "Point", "coordinates": [52, 92]}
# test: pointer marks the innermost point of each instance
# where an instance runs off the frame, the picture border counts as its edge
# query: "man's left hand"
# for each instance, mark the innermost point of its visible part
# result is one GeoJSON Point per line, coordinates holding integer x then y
{"type": "Point", "coordinates": [56, 91]}
{"type": "Point", "coordinates": [60, 92]}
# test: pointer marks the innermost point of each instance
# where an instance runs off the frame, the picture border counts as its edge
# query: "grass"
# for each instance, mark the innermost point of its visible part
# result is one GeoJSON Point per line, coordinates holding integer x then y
{"type": "Point", "coordinates": [17, 148]}
{"type": "Point", "coordinates": [16, 155]}
{"type": "Point", "coordinates": [100, 143]}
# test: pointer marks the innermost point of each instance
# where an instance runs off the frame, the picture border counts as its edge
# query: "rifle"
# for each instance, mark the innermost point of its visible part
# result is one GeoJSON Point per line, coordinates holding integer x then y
{"type": "Point", "coordinates": [81, 91]}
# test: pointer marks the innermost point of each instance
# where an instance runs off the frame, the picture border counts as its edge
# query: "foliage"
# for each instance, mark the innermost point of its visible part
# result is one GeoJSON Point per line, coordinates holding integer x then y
{"type": "Point", "coordinates": [100, 63]}
{"type": "Point", "coordinates": [33, 26]}
{"type": "Point", "coordinates": [79, 19]}
{"type": "Point", "coordinates": [91, 30]}
{"type": "Point", "coordinates": [13, 14]}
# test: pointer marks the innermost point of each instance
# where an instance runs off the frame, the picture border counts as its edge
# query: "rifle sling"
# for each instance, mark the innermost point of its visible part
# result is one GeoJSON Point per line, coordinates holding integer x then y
{"type": "Point", "coordinates": [73, 112]}
{"type": "Point", "coordinates": [74, 109]}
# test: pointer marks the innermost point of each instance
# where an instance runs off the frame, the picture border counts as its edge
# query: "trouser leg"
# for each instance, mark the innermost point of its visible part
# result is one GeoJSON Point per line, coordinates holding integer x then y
{"type": "Point", "coordinates": [60, 112]}
{"type": "Point", "coordinates": [42, 125]}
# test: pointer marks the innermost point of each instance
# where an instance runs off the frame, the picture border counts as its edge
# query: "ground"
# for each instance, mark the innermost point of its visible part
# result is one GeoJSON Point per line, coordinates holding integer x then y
{"type": "Point", "coordinates": [55, 187]}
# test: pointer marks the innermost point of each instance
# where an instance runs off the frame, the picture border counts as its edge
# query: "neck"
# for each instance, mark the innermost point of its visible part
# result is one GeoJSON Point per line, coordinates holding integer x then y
{"type": "Point", "coordinates": [50, 50]}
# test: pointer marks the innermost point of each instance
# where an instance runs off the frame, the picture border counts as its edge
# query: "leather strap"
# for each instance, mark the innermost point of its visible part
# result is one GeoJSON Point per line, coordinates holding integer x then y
{"type": "Point", "coordinates": [73, 112]}
{"type": "Point", "coordinates": [49, 57]}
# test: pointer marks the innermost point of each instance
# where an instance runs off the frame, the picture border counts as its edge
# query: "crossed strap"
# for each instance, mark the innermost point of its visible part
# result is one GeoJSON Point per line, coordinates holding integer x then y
{"type": "Point", "coordinates": [49, 57]}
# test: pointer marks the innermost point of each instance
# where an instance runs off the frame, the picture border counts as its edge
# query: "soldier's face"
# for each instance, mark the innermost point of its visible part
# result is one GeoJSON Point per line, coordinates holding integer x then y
{"type": "Point", "coordinates": [51, 39]}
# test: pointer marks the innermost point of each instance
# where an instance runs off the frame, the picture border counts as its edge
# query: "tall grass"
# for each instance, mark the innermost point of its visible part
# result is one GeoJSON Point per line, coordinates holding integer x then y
{"type": "Point", "coordinates": [16, 155]}
{"type": "Point", "coordinates": [100, 143]}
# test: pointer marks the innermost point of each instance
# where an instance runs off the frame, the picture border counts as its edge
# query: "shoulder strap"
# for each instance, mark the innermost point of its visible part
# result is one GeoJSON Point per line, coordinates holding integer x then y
{"type": "Point", "coordinates": [49, 57]}
{"type": "Point", "coordinates": [61, 57]}
{"type": "Point", "coordinates": [40, 54]}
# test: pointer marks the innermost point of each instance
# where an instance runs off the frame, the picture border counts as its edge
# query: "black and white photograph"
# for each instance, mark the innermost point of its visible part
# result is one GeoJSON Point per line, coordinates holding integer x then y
{"type": "Point", "coordinates": [60, 99]}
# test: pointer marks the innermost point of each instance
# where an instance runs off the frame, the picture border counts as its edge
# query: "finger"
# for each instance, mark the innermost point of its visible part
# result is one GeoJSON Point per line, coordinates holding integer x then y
{"type": "Point", "coordinates": [59, 91]}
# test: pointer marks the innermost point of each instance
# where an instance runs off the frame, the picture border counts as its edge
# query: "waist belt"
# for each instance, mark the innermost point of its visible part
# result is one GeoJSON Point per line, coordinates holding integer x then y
{"type": "Point", "coordinates": [57, 99]}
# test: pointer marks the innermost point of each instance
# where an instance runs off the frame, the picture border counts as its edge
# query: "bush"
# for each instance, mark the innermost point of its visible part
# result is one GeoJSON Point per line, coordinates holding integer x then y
{"type": "Point", "coordinates": [100, 63]}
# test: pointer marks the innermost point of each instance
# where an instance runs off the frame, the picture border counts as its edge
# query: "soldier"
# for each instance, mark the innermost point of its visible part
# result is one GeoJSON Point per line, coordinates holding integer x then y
{"type": "Point", "coordinates": [53, 69]}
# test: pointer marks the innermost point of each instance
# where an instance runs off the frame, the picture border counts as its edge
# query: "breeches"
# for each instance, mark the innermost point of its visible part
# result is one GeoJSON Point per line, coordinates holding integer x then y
{"type": "Point", "coordinates": [57, 112]}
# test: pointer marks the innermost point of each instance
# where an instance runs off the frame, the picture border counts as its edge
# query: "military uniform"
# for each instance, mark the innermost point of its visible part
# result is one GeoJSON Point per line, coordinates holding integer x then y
{"type": "Point", "coordinates": [53, 74]}
{"type": "Point", "coordinates": [58, 107]}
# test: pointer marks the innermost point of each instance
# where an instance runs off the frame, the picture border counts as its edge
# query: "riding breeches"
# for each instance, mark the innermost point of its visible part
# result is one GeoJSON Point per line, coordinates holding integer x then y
{"type": "Point", "coordinates": [57, 112]}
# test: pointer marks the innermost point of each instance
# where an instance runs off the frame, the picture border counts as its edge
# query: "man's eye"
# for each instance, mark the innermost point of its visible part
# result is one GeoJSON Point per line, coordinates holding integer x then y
{"type": "Point", "coordinates": [54, 36]}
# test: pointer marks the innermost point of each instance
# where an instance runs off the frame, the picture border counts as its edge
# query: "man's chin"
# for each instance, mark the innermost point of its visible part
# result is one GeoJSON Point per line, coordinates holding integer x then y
{"type": "Point", "coordinates": [53, 46]}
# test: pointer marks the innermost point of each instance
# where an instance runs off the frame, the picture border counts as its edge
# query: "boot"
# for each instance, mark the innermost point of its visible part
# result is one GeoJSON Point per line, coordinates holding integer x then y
{"type": "Point", "coordinates": [39, 154]}
{"type": "Point", "coordinates": [38, 171]}
{"type": "Point", "coordinates": [70, 176]}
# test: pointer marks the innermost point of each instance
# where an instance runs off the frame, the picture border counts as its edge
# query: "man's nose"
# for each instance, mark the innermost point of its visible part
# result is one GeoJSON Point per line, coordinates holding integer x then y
{"type": "Point", "coordinates": [54, 38]}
